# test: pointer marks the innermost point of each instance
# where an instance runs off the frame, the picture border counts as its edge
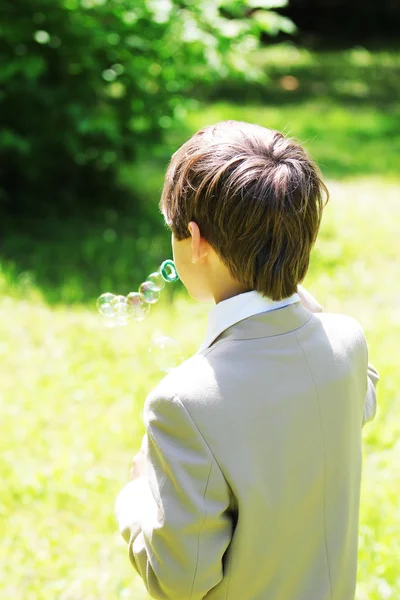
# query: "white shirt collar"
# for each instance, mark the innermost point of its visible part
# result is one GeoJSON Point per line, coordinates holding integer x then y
{"type": "Point", "coordinates": [235, 309]}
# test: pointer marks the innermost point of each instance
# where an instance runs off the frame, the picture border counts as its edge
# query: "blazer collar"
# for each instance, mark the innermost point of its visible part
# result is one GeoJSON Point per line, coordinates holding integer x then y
{"type": "Point", "coordinates": [265, 325]}
{"type": "Point", "coordinates": [240, 308]}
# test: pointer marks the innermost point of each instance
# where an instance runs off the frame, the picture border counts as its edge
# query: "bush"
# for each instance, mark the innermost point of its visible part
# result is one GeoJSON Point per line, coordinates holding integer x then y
{"type": "Point", "coordinates": [87, 83]}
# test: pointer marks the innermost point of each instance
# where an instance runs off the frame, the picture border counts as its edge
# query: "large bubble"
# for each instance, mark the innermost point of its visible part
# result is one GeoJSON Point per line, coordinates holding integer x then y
{"type": "Point", "coordinates": [166, 352]}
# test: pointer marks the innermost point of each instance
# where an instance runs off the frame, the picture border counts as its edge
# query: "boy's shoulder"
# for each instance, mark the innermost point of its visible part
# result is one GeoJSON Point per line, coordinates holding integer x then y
{"type": "Point", "coordinates": [195, 377]}
{"type": "Point", "coordinates": [341, 326]}
{"type": "Point", "coordinates": [198, 378]}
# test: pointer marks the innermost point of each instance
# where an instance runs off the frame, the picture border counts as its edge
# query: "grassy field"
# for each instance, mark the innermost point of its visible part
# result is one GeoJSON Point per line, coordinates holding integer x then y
{"type": "Point", "coordinates": [72, 392]}
{"type": "Point", "coordinates": [71, 400]}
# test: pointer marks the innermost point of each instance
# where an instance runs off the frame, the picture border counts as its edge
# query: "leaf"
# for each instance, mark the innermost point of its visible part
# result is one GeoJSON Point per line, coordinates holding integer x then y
{"type": "Point", "coordinates": [267, 4]}
{"type": "Point", "coordinates": [273, 23]}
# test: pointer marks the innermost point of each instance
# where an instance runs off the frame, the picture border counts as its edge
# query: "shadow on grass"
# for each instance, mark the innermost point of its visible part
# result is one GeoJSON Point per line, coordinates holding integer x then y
{"type": "Point", "coordinates": [74, 259]}
{"type": "Point", "coordinates": [77, 259]}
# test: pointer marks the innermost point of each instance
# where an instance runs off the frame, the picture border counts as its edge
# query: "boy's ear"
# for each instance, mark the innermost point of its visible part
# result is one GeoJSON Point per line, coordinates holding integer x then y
{"type": "Point", "coordinates": [199, 244]}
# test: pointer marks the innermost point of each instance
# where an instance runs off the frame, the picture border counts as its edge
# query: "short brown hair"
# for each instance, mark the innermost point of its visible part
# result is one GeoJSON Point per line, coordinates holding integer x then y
{"type": "Point", "coordinates": [257, 198]}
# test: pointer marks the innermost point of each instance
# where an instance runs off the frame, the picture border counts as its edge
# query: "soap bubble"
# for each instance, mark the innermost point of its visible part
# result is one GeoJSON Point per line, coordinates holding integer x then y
{"type": "Point", "coordinates": [119, 310]}
{"type": "Point", "coordinates": [149, 293]}
{"type": "Point", "coordinates": [157, 280]}
{"type": "Point", "coordinates": [166, 352]}
{"type": "Point", "coordinates": [122, 310]}
{"type": "Point", "coordinates": [138, 306]}
{"type": "Point", "coordinates": [168, 271]}
{"type": "Point", "coordinates": [105, 305]}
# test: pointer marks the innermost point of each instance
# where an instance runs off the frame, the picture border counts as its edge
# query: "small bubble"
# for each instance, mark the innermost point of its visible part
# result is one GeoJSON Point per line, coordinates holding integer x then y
{"type": "Point", "coordinates": [150, 295]}
{"type": "Point", "coordinates": [166, 352]}
{"type": "Point", "coordinates": [122, 310]}
{"type": "Point", "coordinates": [168, 271]}
{"type": "Point", "coordinates": [157, 280]}
{"type": "Point", "coordinates": [139, 307]}
{"type": "Point", "coordinates": [105, 305]}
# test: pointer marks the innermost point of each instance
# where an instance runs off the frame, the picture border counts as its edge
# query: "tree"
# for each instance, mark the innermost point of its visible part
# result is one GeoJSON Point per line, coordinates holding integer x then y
{"type": "Point", "coordinates": [85, 83]}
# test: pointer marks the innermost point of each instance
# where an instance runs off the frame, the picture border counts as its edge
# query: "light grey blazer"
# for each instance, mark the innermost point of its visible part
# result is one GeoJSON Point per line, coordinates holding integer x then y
{"type": "Point", "coordinates": [254, 464]}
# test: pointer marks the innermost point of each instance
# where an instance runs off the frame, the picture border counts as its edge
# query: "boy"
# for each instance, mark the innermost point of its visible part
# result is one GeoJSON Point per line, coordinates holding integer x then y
{"type": "Point", "coordinates": [247, 486]}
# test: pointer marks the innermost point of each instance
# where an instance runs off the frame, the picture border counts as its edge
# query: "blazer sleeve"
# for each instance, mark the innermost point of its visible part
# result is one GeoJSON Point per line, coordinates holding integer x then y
{"type": "Point", "coordinates": [178, 551]}
{"type": "Point", "coordinates": [370, 398]}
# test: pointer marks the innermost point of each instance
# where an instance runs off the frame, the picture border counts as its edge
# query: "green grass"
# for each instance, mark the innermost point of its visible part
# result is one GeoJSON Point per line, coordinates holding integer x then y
{"type": "Point", "coordinates": [344, 105]}
{"type": "Point", "coordinates": [71, 400]}
{"type": "Point", "coordinates": [72, 392]}
{"type": "Point", "coordinates": [346, 141]}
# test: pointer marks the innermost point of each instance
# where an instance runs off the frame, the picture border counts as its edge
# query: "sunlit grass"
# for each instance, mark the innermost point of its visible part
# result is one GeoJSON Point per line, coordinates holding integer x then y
{"type": "Point", "coordinates": [346, 140]}
{"type": "Point", "coordinates": [72, 394]}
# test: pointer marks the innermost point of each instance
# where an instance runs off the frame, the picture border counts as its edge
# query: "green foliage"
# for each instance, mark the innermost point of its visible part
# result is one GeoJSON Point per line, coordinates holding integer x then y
{"type": "Point", "coordinates": [76, 258]}
{"type": "Point", "coordinates": [87, 83]}
{"type": "Point", "coordinates": [71, 402]}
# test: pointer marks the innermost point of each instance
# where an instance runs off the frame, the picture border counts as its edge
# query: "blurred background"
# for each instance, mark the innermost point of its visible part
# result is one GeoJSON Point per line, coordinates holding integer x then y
{"type": "Point", "coordinates": [95, 96]}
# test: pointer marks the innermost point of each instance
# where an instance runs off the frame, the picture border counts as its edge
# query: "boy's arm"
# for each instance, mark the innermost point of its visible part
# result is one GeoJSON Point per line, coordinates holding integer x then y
{"type": "Point", "coordinates": [179, 545]}
{"type": "Point", "coordinates": [309, 302]}
{"type": "Point", "coordinates": [370, 400]}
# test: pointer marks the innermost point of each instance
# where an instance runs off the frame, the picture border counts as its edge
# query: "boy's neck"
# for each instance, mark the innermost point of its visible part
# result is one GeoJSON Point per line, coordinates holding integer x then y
{"type": "Point", "coordinates": [229, 290]}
